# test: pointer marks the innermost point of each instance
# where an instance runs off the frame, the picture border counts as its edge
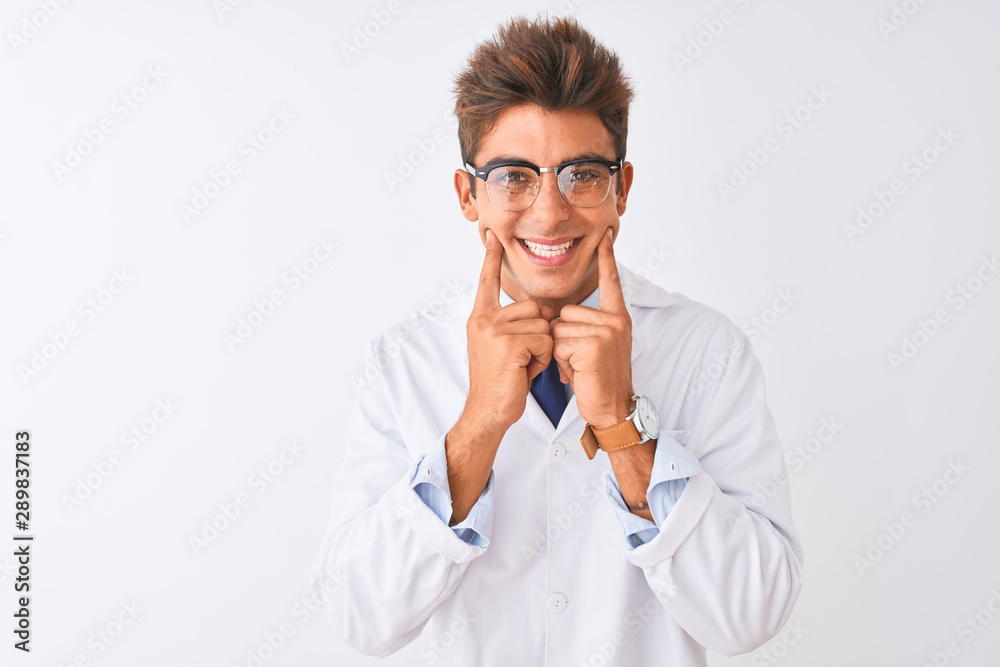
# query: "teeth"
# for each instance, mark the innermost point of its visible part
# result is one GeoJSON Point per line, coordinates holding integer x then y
{"type": "Point", "coordinates": [547, 250]}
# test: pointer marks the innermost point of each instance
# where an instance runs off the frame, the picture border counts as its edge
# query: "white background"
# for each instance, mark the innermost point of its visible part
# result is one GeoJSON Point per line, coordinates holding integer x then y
{"type": "Point", "coordinates": [356, 118]}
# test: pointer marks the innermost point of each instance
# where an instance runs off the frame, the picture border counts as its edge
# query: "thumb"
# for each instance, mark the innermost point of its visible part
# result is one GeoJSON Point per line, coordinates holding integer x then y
{"type": "Point", "coordinates": [565, 374]}
{"type": "Point", "coordinates": [534, 368]}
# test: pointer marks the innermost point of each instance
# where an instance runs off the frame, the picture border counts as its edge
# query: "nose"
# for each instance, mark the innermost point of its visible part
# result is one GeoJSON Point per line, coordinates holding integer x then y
{"type": "Point", "coordinates": [549, 205]}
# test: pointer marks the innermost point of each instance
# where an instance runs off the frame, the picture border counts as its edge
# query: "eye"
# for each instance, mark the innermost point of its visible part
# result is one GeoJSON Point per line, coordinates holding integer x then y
{"type": "Point", "coordinates": [513, 176]}
{"type": "Point", "coordinates": [586, 173]}
{"type": "Point", "coordinates": [513, 179]}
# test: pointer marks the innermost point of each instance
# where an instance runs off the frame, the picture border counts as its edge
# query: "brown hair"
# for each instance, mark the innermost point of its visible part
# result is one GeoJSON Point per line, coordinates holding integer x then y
{"type": "Point", "coordinates": [553, 63]}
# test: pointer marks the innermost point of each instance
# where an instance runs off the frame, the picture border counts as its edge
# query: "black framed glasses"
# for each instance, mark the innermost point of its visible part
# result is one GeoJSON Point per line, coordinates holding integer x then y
{"type": "Point", "coordinates": [514, 186]}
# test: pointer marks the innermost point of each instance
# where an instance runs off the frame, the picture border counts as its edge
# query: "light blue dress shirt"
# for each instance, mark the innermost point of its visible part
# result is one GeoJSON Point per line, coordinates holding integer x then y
{"type": "Point", "coordinates": [673, 465]}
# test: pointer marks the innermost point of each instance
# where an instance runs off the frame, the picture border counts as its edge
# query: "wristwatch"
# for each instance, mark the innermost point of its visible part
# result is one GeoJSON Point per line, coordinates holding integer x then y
{"type": "Point", "coordinates": [642, 425]}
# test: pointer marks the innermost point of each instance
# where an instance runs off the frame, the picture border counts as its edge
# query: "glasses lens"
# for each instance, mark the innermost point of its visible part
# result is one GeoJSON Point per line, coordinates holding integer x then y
{"type": "Point", "coordinates": [512, 188]}
{"type": "Point", "coordinates": [585, 183]}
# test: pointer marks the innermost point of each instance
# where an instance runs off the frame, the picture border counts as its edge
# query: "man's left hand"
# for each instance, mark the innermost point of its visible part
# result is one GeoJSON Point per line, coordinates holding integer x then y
{"type": "Point", "coordinates": [593, 348]}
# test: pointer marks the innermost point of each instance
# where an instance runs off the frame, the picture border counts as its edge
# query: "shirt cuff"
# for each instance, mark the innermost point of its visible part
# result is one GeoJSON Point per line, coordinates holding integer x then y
{"type": "Point", "coordinates": [673, 465]}
{"type": "Point", "coordinates": [430, 483]}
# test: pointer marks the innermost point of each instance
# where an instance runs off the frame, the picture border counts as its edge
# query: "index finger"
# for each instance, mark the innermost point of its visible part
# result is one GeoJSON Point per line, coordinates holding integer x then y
{"type": "Point", "coordinates": [610, 298]}
{"type": "Point", "coordinates": [488, 294]}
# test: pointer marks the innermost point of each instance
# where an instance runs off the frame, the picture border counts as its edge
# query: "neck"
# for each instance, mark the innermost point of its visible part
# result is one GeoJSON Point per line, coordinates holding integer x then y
{"type": "Point", "coordinates": [517, 293]}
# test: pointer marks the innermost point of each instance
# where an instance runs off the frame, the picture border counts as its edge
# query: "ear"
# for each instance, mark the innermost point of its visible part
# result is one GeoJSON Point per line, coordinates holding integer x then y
{"type": "Point", "coordinates": [624, 183]}
{"type": "Point", "coordinates": [465, 199]}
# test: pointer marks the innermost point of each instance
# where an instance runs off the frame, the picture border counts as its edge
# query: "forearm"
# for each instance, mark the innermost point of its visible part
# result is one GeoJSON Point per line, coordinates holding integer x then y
{"type": "Point", "coordinates": [471, 446]}
{"type": "Point", "coordinates": [632, 468]}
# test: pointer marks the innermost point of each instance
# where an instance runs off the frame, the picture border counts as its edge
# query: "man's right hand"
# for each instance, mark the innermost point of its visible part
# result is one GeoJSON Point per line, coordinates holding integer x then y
{"type": "Point", "coordinates": [508, 347]}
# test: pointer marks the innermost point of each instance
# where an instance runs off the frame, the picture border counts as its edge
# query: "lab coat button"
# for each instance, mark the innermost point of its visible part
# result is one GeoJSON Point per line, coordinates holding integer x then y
{"type": "Point", "coordinates": [557, 603]}
{"type": "Point", "coordinates": [556, 452]}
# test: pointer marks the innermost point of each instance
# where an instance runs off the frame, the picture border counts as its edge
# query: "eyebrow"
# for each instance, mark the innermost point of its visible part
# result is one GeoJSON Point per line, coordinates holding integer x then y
{"type": "Point", "coordinates": [510, 157]}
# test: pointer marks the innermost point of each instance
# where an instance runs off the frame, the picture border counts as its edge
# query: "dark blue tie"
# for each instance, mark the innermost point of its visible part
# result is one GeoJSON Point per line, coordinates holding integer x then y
{"type": "Point", "coordinates": [550, 392]}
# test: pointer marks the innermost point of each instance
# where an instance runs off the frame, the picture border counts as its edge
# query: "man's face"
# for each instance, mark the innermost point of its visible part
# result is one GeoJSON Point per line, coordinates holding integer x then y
{"type": "Point", "coordinates": [547, 139]}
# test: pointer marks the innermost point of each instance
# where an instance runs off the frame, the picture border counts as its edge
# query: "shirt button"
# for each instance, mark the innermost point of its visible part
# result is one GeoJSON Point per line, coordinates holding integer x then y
{"type": "Point", "coordinates": [557, 603]}
{"type": "Point", "coordinates": [556, 452]}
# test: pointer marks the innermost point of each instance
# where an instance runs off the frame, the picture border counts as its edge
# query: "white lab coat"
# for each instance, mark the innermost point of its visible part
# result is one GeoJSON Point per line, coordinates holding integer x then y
{"type": "Point", "coordinates": [559, 584]}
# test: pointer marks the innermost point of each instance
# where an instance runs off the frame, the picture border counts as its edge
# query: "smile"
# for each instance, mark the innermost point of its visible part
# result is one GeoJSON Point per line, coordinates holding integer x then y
{"type": "Point", "coordinates": [545, 250]}
{"type": "Point", "coordinates": [549, 253]}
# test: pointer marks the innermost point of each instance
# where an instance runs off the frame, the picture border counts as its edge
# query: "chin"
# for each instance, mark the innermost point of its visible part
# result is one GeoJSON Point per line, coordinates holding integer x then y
{"type": "Point", "coordinates": [549, 289]}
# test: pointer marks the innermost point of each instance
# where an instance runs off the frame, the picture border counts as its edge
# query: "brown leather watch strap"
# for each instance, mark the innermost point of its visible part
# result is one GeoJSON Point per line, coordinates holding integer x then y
{"type": "Point", "coordinates": [609, 439]}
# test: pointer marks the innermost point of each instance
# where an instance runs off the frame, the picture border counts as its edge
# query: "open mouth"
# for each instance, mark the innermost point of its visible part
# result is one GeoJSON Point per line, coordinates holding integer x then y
{"type": "Point", "coordinates": [549, 252]}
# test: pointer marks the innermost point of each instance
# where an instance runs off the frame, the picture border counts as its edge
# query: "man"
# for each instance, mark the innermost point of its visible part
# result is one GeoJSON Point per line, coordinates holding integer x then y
{"type": "Point", "coordinates": [563, 468]}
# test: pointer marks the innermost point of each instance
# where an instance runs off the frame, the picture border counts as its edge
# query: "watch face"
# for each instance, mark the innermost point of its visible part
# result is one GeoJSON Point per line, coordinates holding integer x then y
{"type": "Point", "coordinates": [647, 416]}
